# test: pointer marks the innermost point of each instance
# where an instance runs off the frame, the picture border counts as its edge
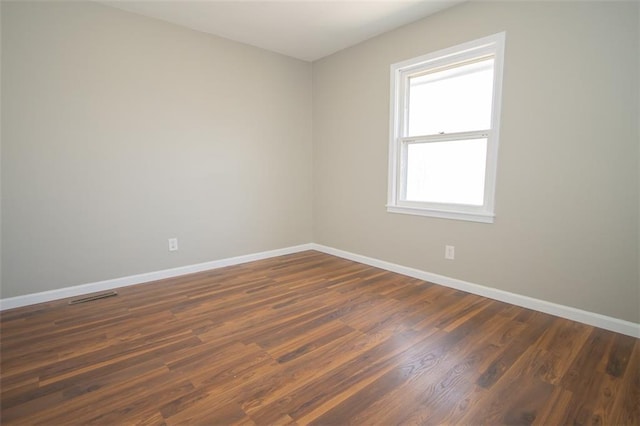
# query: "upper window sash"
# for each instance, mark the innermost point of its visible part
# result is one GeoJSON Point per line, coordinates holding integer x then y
{"type": "Point", "coordinates": [470, 72]}
{"type": "Point", "coordinates": [480, 49]}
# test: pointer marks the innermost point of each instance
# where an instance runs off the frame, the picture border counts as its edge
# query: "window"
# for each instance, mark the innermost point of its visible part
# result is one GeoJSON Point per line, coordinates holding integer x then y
{"type": "Point", "coordinates": [445, 111]}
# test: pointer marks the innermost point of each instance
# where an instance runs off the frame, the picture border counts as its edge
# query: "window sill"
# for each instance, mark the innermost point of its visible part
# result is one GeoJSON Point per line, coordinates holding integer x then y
{"type": "Point", "coordinates": [443, 214]}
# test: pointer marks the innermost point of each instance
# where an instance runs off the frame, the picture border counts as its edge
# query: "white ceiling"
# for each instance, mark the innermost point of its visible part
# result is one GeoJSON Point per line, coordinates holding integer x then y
{"type": "Point", "coordinates": [304, 29]}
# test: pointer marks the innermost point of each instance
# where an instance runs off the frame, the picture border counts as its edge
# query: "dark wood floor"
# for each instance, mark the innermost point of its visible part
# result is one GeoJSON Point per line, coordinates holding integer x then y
{"type": "Point", "coordinates": [310, 339]}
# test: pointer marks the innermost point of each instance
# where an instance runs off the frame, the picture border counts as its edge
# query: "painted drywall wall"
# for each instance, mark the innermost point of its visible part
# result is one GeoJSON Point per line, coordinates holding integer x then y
{"type": "Point", "coordinates": [120, 131]}
{"type": "Point", "coordinates": [0, 152]}
{"type": "Point", "coordinates": [566, 229]}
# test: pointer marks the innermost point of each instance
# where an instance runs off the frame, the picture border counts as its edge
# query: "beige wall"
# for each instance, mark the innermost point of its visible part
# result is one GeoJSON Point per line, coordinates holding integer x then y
{"type": "Point", "coordinates": [567, 220]}
{"type": "Point", "coordinates": [120, 131]}
{"type": "Point", "coordinates": [0, 152]}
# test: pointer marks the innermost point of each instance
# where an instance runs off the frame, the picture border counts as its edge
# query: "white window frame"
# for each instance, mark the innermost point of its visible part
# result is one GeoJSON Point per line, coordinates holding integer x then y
{"type": "Point", "coordinates": [400, 72]}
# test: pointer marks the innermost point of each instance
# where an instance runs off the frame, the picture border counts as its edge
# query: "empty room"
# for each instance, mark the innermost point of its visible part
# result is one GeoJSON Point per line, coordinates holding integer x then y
{"type": "Point", "coordinates": [320, 212]}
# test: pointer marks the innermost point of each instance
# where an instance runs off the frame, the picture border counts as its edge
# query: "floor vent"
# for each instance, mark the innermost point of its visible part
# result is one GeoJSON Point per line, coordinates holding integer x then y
{"type": "Point", "coordinates": [94, 297]}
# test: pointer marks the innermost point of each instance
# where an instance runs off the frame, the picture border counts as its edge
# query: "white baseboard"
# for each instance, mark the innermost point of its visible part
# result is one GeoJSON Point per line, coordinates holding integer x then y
{"type": "Point", "coordinates": [62, 293]}
{"type": "Point", "coordinates": [586, 317]}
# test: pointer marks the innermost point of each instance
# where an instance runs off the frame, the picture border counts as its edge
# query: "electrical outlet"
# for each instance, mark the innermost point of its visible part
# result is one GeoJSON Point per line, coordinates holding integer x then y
{"type": "Point", "coordinates": [173, 244]}
{"type": "Point", "coordinates": [449, 252]}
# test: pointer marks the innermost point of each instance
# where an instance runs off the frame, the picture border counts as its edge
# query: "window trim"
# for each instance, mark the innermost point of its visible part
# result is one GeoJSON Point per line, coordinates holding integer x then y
{"type": "Point", "coordinates": [491, 45]}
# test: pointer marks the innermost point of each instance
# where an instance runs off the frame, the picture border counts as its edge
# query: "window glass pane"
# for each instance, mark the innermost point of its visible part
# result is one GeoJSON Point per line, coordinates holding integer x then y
{"type": "Point", "coordinates": [447, 172]}
{"type": "Point", "coordinates": [452, 100]}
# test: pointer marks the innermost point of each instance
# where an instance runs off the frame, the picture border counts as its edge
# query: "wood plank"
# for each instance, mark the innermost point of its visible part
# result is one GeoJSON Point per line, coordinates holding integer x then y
{"type": "Point", "coordinates": [619, 355]}
{"type": "Point", "coordinates": [626, 409]}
